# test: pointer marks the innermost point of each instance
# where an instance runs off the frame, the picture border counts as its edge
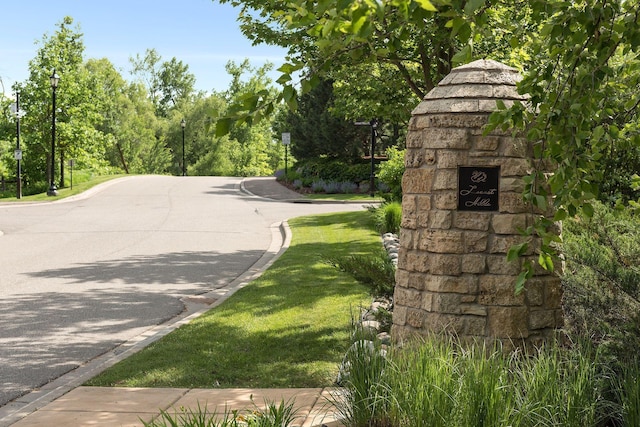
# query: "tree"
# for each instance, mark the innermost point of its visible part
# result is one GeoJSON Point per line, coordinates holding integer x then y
{"type": "Point", "coordinates": [583, 81]}
{"type": "Point", "coordinates": [168, 82]}
{"type": "Point", "coordinates": [78, 112]}
{"type": "Point", "coordinates": [131, 129]}
{"type": "Point", "coordinates": [419, 42]}
{"type": "Point", "coordinates": [316, 132]}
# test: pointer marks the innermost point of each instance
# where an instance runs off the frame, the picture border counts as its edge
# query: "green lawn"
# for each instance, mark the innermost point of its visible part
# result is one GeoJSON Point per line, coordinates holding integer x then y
{"type": "Point", "coordinates": [288, 328]}
{"type": "Point", "coordinates": [82, 182]}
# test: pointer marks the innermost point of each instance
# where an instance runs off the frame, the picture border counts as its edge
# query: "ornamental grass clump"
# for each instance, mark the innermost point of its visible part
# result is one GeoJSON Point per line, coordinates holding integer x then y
{"type": "Point", "coordinates": [274, 415]}
{"type": "Point", "coordinates": [438, 381]}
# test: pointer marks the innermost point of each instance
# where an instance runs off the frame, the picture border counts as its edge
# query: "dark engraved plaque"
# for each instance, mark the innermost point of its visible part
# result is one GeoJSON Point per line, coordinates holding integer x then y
{"type": "Point", "coordinates": [478, 188]}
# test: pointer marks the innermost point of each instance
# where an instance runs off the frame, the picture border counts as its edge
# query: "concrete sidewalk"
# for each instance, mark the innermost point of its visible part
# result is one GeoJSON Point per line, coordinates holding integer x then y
{"type": "Point", "coordinates": [109, 407]}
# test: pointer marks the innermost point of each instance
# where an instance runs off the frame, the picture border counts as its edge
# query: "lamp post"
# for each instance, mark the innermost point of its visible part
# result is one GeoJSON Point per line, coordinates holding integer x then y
{"type": "Point", "coordinates": [183, 124]}
{"type": "Point", "coordinates": [372, 177]}
{"type": "Point", "coordinates": [53, 191]}
{"type": "Point", "coordinates": [18, 153]}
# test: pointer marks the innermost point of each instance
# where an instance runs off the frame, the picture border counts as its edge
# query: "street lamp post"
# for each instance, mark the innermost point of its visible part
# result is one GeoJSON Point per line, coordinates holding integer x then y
{"type": "Point", "coordinates": [18, 152]}
{"type": "Point", "coordinates": [372, 177]}
{"type": "Point", "coordinates": [53, 191]}
{"type": "Point", "coordinates": [183, 124]}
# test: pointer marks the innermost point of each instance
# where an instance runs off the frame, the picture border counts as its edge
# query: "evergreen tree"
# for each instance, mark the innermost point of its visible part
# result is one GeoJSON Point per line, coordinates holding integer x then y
{"type": "Point", "coordinates": [317, 132]}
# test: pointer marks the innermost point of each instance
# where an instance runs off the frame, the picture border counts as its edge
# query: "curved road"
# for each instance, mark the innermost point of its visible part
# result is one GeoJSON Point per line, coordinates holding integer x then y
{"type": "Point", "coordinates": [80, 277]}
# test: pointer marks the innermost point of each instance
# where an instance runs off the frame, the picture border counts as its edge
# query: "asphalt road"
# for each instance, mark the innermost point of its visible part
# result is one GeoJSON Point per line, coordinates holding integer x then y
{"type": "Point", "coordinates": [80, 277]}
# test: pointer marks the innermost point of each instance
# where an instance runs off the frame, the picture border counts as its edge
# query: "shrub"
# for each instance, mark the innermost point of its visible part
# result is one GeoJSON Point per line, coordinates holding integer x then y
{"type": "Point", "coordinates": [297, 184]}
{"type": "Point", "coordinates": [348, 187]}
{"type": "Point", "coordinates": [390, 172]}
{"type": "Point", "coordinates": [388, 217]}
{"type": "Point", "coordinates": [602, 280]}
{"type": "Point", "coordinates": [376, 271]}
{"type": "Point", "coordinates": [318, 186]}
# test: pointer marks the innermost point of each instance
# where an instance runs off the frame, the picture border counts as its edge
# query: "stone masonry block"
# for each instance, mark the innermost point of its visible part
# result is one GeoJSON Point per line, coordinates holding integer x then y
{"type": "Point", "coordinates": [427, 301]}
{"type": "Point", "coordinates": [509, 223]}
{"type": "Point", "coordinates": [446, 303]}
{"type": "Point", "coordinates": [512, 203]}
{"type": "Point", "coordinates": [475, 325]}
{"type": "Point", "coordinates": [444, 264]}
{"type": "Point", "coordinates": [448, 159]}
{"type": "Point", "coordinates": [478, 221]}
{"type": "Point", "coordinates": [415, 318]}
{"type": "Point", "coordinates": [409, 212]}
{"type": "Point", "coordinates": [417, 157]}
{"type": "Point", "coordinates": [498, 264]}
{"type": "Point", "coordinates": [474, 263]}
{"type": "Point", "coordinates": [471, 121]}
{"type": "Point", "coordinates": [553, 292]}
{"type": "Point", "coordinates": [515, 167]}
{"type": "Point", "coordinates": [446, 200]}
{"type": "Point", "coordinates": [408, 297]}
{"type": "Point", "coordinates": [474, 310]}
{"type": "Point", "coordinates": [499, 291]}
{"type": "Point", "coordinates": [542, 319]}
{"type": "Point", "coordinates": [423, 205]}
{"type": "Point", "coordinates": [440, 220]}
{"type": "Point", "coordinates": [416, 262]}
{"type": "Point", "coordinates": [408, 238]}
{"type": "Point", "coordinates": [415, 139]}
{"type": "Point", "coordinates": [445, 179]}
{"type": "Point", "coordinates": [416, 281]}
{"type": "Point", "coordinates": [508, 322]}
{"type": "Point", "coordinates": [512, 185]}
{"type": "Point", "coordinates": [442, 241]}
{"type": "Point", "coordinates": [402, 278]}
{"type": "Point", "coordinates": [417, 181]}
{"type": "Point", "coordinates": [475, 241]}
{"type": "Point", "coordinates": [534, 292]}
{"type": "Point", "coordinates": [515, 147]}
{"type": "Point", "coordinates": [417, 123]}
{"type": "Point", "coordinates": [445, 323]}
{"type": "Point", "coordinates": [486, 143]}
{"type": "Point", "coordinates": [399, 315]}
{"type": "Point", "coordinates": [450, 138]}
{"type": "Point", "coordinates": [451, 284]}
{"type": "Point", "coordinates": [500, 244]}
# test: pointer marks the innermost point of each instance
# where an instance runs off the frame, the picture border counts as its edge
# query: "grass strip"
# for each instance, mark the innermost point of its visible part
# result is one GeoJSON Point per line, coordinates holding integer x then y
{"type": "Point", "coordinates": [82, 182]}
{"type": "Point", "coordinates": [288, 328]}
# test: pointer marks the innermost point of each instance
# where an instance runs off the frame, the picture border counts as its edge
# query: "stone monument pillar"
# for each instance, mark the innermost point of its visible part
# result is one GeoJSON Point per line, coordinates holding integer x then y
{"type": "Point", "coordinates": [462, 210]}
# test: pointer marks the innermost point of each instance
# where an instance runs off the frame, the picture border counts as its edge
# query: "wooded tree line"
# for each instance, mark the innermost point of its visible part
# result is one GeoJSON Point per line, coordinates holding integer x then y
{"type": "Point", "coordinates": [108, 124]}
{"type": "Point", "coordinates": [353, 60]}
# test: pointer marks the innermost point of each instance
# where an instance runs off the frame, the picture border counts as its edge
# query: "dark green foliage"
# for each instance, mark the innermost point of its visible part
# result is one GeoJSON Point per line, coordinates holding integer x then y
{"type": "Point", "coordinates": [376, 271]}
{"type": "Point", "coordinates": [316, 132]}
{"type": "Point", "coordinates": [602, 280]}
{"type": "Point", "coordinates": [328, 169]}
{"type": "Point", "coordinates": [390, 172]}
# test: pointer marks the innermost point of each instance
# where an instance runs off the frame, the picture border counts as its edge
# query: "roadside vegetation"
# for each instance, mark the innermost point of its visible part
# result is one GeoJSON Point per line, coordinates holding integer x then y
{"type": "Point", "coordinates": [589, 378]}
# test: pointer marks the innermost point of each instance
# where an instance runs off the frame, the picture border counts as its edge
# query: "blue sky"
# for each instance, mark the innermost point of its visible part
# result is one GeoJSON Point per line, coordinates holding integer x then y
{"type": "Point", "coordinates": [201, 33]}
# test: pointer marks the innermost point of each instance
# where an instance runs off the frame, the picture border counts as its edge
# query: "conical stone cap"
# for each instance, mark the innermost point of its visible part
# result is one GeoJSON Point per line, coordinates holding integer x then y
{"type": "Point", "coordinates": [473, 88]}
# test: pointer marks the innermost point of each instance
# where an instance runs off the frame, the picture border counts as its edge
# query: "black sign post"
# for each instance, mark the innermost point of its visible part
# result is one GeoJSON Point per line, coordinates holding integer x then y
{"type": "Point", "coordinates": [478, 188]}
